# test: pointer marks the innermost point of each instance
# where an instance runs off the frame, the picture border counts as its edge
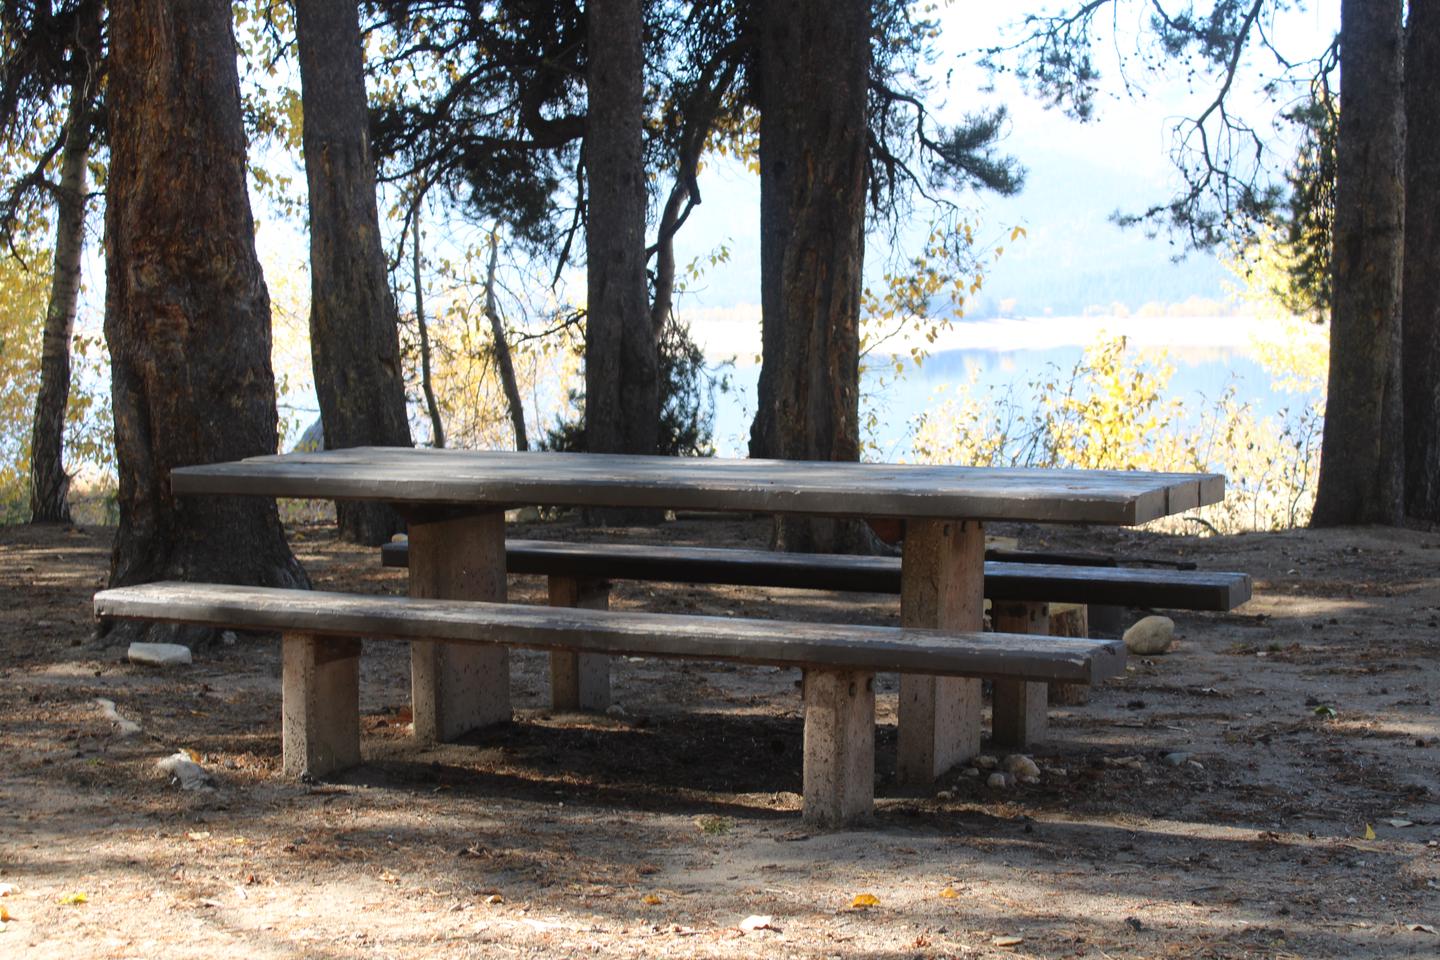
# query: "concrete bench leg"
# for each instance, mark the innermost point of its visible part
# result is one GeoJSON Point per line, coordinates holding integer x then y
{"type": "Point", "coordinates": [320, 709]}
{"type": "Point", "coordinates": [579, 681]}
{"type": "Point", "coordinates": [1018, 716]}
{"type": "Point", "coordinates": [455, 687]}
{"type": "Point", "coordinates": [839, 772]}
{"type": "Point", "coordinates": [942, 586]}
{"type": "Point", "coordinates": [1069, 620]}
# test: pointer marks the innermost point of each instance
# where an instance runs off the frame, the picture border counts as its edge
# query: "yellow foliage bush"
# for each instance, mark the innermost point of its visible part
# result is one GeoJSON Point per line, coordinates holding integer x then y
{"type": "Point", "coordinates": [1113, 411]}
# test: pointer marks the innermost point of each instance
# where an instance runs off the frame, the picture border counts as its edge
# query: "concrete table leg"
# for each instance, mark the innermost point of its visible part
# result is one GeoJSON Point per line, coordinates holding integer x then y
{"type": "Point", "coordinates": [942, 586]}
{"type": "Point", "coordinates": [320, 704]}
{"type": "Point", "coordinates": [579, 681]}
{"type": "Point", "coordinates": [839, 771]}
{"type": "Point", "coordinates": [1018, 714]}
{"type": "Point", "coordinates": [455, 687]}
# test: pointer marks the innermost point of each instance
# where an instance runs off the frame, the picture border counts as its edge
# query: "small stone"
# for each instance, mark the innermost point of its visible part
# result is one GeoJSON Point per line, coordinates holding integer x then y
{"type": "Point", "coordinates": [1195, 764]}
{"type": "Point", "coordinates": [1150, 636]}
{"type": "Point", "coordinates": [614, 710]}
{"type": "Point", "coordinates": [1000, 781]}
{"type": "Point", "coordinates": [159, 654]}
{"type": "Point", "coordinates": [945, 795]}
{"type": "Point", "coordinates": [1176, 759]}
{"type": "Point", "coordinates": [986, 762]}
{"type": "Point", "coordinates": [229, 638]}
{"type": "Point", "coordinates": [1059, 773]}
{"type": "Point", "coordinates": [970, 772]}
{"type": "Point", "coordinates": [121, 726]}
{"type": "Point", "coordinates": [1022, 767]}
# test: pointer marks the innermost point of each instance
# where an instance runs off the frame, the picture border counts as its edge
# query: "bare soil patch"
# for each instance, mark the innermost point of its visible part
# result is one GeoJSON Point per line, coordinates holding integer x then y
{"type": "Point", "coordinates": [1310, 715]}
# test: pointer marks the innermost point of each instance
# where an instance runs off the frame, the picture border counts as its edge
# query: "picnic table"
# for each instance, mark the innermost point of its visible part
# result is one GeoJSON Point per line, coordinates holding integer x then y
{"type": "Point", "coordinates": [455, 502]}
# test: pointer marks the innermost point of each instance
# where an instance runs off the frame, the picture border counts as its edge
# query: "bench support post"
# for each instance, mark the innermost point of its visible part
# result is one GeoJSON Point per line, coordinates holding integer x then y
{"type": "Point", "coordinates": [1018, 715]}
{"type": "Point", "coordinates": [579, 681]}
{"type": "Point", "coordinates": [456, 688]}
{"type": "Point", "coordinates": [1069, 620]}
{"type": "Point", "coordinates": [839, 770]}
{"type": "Point", "coordinates": [320, 704]}
{"type": "Point", "coordinates": [942, 586]}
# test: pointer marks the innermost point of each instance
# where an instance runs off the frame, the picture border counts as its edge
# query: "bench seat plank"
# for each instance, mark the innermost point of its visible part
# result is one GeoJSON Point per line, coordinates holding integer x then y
{"type": "Point", "coordinates": [892, 649]}
{"type": "Point", "coordinates": [1045, 582]}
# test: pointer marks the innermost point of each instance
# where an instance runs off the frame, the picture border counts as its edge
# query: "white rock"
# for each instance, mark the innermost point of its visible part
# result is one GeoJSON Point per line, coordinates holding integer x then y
{"type": "Point", "coordinates": [1150, 635]}
{"type": "Point", "coordinates": [229, 637]}
{"type": "Point", "coordinates": [186, 772]}
{"type": "Point", "coordinates": [1022, 767]}
{"type": "Point", "coordinates": [615, 710]}
{"type": "Point", "coordinates": [985, 762]}
{"type": "Point", "coordinates": [1175, 759]}
{"type": "Point", "coordinates": [159, 654]}
{"type": "Point", "coordinates": [945, 795]}
{"type": "Point", "coordinates": [123, 727]}
{"type": "Point", "coordinates": [1000, 781]}
{"type": "Point", "coordinates": [971, 772]}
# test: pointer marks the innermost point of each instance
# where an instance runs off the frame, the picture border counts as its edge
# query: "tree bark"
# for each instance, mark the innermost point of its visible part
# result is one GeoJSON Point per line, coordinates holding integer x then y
{"type": "Point", "coordinates": [187, 313]}
{"type": "Point", "coordinates": [354, 339]}
{"type": "Point", "coordinates": [49, 482]}
{"type": "Point", "coordinates": [501, 346]}
{"type": "Point", "coordinates": [1421, 327]}
{"type": "Point", "coordinates": [814, 67]}
{"type": "Point", "coordinates": [622, 407]}
{"type": "Point", "coordinates": [1362, 454]}
{"type": "Point", "coordinates": [427, 382]}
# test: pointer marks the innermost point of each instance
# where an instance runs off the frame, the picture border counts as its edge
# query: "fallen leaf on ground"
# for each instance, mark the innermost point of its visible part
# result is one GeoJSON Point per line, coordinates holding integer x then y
{"type": "Point", "coordinates": [6, 889]}
{"type": "Point", "coordinates": [1398, 823]}
{"type": "Point", "coordinates": [198, 834]}
{"type": "Point", "coordinates": [949, 893]}
{"type": "Point", "coordinates": [1007, 941]}
{"type": "Point", "coordinates": [1369, 832]}
{"type": "Point", "coordinates": [651, 899]}
{"type": "Point", "coordinates": [5, 915]}
{"type": "Point", "coordinates": [73, 898]}
{"type": "Point", "coordinates": [1422, 928]}
{"type": "Point", "coordinates": [864, 901]}
{"type": "Point", "coordinates": [389, 877]}
{"type": "Point", "coordinates": [757, 922]}
{"type": "Point", "coordinates": [494, 898]}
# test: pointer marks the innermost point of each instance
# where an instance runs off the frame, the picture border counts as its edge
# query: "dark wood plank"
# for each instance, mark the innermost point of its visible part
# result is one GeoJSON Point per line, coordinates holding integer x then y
{"type": "Point", "coordinates": [1057, 583]}
{"type": "Point", "coordinates": [620, 632]}
{"type": "Point", "coordinates": [424, 475]}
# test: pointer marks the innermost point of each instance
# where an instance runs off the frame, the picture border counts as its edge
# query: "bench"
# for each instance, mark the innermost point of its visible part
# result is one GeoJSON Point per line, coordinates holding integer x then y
{"type": "Point", "coordinates": [1020, 594]}
{"type": "Point", "coordinates": [321, 649]}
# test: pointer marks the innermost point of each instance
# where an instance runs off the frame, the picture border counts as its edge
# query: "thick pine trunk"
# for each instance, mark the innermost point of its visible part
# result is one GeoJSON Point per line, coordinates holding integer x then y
{"type": "Point", "coordinates": [354, 339]}
{"type": "Point", "coordinates": [622, 407]}
{"type": "Point", "coordinates": [1362, 465]}
{"type": "Point", "coordinates": [49, 483]}
{"type": "Point", "coordinates": [187, 314]}
{"type": "Point", "coordinates": [814, 65]}
{"type": "Point", "coordinates": [1421, 328]}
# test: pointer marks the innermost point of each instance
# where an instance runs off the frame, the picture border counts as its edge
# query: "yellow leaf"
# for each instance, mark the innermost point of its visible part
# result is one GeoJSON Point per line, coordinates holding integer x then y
{"type": "Point", "coordinates": [73, 898]}
{"type": "Point", "coordinates": [949, 893]}
{"type": "Point", "coordinates": [863, 901]}
{"type": "Point", "coordinates": [5, 915]}
{"type": "Point", "coordinates": [1369, 832]}
{"type": "Point", "coordinates": [651, 900]}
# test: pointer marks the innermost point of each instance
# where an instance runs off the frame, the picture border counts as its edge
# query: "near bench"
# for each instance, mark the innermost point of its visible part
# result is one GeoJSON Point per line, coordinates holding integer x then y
{"type": "Point", "coordinates": [321, 650]}
{"type": "Point", "coordinates": [1020, 594]}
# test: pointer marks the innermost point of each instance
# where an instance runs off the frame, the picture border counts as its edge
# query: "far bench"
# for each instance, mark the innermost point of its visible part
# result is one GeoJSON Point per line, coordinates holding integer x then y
{"type": "Point", "coordinates": [321, 650]}
{"type": "Point", "coordinates": [1020, 594]}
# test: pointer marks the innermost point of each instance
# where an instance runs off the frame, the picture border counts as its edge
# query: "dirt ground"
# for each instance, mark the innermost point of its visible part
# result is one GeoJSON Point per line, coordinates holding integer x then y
{"type": "Point", "coordinates": [1308, 824]}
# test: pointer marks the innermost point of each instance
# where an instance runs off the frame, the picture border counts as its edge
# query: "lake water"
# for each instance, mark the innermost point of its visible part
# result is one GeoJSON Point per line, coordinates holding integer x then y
{"type": "Point", "coordinates": [1202, 375]}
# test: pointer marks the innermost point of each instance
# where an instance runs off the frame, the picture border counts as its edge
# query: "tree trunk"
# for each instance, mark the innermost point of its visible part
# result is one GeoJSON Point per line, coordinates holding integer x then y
{"type": "Point", "coordinates": [1421, 327]}
{"type": "Point", "coordinates": [622, 407]}
{"type": "Point", "coordinates": [501, 346]}
{"type": "Point", "coordinates": [187, 315]}
{"type": "Point", "coordinates": [354, 340]}
{"type": "Point", "coordinates": [49, 483]}
{"type": "Point", "coordinates": [427, 382]}
{"type": "Point", "coordinates": [814, 66]}
{"type": "Point", "coordinates": [1362, 454]}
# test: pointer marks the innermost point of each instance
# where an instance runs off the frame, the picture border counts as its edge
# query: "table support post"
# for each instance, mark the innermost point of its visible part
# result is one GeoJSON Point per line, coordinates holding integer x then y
{"type": "Point", "coordinates": [454, 687]}
{"type": "Point", "coordinates": [579, 681]}
{"type": "Point", "coordinates": [942, 586]}
{"type": "Point", "coordinates": [320, 704]}
{"type": "Point", "coordinates": [1018, 707]}
{"type": "Point", "coordinates": [839, 765]}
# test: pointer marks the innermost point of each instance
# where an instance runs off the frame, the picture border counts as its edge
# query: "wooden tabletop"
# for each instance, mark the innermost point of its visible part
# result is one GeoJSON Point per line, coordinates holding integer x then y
{"type": "Point", "coordinates": [424, 475]}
